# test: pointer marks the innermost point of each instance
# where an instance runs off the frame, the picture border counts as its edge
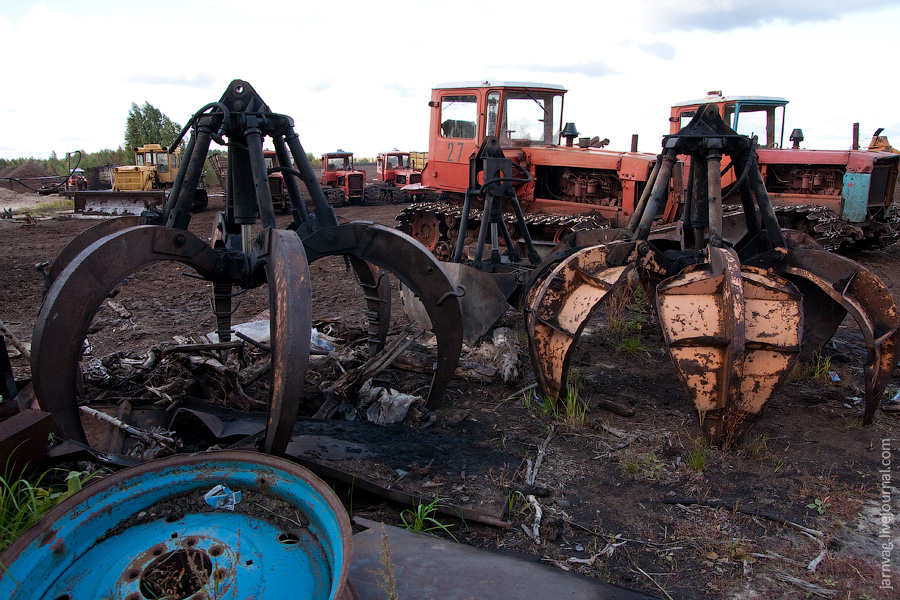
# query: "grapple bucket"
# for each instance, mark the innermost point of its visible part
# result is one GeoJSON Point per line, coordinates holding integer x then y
{"type": "Point", "coordinates": [733, 334]}
{"type": "Point", "coordinates": [559, 306]}
{"type": "Point", "coordinates": [101, 257]}
{"type": "Point", "coordinates": [735, 316]}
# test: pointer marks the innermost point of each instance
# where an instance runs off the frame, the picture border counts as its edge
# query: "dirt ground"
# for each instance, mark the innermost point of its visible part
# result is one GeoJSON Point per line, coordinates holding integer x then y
{"type": "Point", "coordinates": [606, 487]}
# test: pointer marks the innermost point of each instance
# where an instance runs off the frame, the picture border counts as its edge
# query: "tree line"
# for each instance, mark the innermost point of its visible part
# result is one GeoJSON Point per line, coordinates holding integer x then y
{"type": "Point", "coordinates": [144, 125]}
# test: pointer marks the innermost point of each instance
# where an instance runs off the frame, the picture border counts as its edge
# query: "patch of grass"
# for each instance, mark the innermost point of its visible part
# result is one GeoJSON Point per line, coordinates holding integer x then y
{"type": "Point", "coordinates": [696, 456]}
{"type": "Point", "coordinates": [631, 466]}
{"type": "Point", "coordinates": [422, 518]}
{"type": "Point", "coordinates": [24, 501]}
{"type": "Point", "coordinates": [516, 499]}
{"type": "Point", "coordinates": [648, 465]}
{"type": "Point", "coordinates": [815, 370]}
{"type": "Point", "coordinates": [51, 206]}
{"type": "Point", "coordinates": [631, 345]}
{"type": "Point", "coordinates": [574, 408]}
{"type": "Point", "coordinates": [569, 409]}
{"type": "Point", "coordinates": [757, 446]}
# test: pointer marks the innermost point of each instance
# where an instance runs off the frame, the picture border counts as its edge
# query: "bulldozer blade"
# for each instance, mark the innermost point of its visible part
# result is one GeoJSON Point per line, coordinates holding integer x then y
{"type": "Point", "coordinates": [846, 286]}
{"type": "Point", "coordinates": [290, 325]}
{"type": "Point", "coordinates": [733, 335]}
{"type": "Point", "coordinates": [417, 269]}
{"type": "Point", "coordinates": [110, 202]}
{"type": "Point", "coordinates": [86, 238]}
{"type": "Point", "coordinates": [559, 306]}
{"type": "Point", "coordinates": [482, 305]}
{"type": "Point", "coordinates": [74, 298]}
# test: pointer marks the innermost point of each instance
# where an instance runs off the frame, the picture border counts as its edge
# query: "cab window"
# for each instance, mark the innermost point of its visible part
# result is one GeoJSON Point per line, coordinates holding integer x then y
{"type": "Point", "coordinates": [162, 162]}
{"type": "Point", "coordinates": [529, 118]}
{"type": "Point", "coordinates": [493, 110]}
{"type": "Point", "coordinates": [459, 114]}
{"type": "Point", "coordinates": [764, 121]}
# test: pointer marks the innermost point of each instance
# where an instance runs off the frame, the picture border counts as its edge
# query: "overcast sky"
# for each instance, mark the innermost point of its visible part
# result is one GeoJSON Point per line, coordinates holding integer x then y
{"type": "Point", "coordinates": [357, 75]}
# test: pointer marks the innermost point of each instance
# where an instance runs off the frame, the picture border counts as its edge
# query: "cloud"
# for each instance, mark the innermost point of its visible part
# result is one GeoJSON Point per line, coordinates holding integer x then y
{"type": "Point", "coordinates": [404, 91]}
{"type": "Point", "coordinates": [660, 50]}
{"type": "Point", "coordinates": [193, 81]}
{"type": "Point", "coordinates": [727, 15]}
{"type": "Point", "coordinates": [595, 68]}
{"type": "Point", "coordinates": [321, 86]}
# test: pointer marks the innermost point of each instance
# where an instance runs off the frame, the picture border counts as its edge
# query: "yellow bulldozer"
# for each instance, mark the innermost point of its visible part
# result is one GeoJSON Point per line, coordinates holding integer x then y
{"type": "Point", "coordinates": [141, 186]}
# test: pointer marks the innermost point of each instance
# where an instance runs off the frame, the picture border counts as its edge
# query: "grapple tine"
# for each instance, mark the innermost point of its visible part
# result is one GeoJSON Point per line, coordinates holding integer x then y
{"type": "Point", "coordinates": [77, 294]}
{"type": "Point", "coordinates": [559, 306]}
{"type": "Point", "coordinates": [290, 305]}
{"type": "Point", "coordinates": [733, 333]}
{"type": "Point", "coordinates": [376, 287]}
{"type": "Point", "coordinates": [865, 297]}
{"type": "Point", "coordinates": [418, 269]}
{"type": "Point", "coordinates": [88, 237]}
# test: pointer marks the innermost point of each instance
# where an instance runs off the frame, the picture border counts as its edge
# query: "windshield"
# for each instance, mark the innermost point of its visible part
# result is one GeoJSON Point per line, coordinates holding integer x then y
{"type": "Point", "coordinates": [527, 118]}
{"type": "Point", "coordinates": [397, 161]}
{"type": "Point", "coordinates": [763, 120]}
{"type": "Point", "coordinates": [340, 163]}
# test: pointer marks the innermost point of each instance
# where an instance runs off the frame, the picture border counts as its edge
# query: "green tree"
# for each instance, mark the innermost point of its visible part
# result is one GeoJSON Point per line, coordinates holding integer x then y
{"type": "Point", "coordinates": [147, 125]}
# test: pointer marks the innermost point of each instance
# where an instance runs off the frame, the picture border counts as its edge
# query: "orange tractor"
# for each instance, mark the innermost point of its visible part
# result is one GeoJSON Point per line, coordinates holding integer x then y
{"type": "Point", "coordinates": [569, 186]}
{"type": "Point", "coordinates": [738, 298]}
{"type": "Point", "coordinates": [341, 183]}
{"type": "Point", "coordinates": [393, 171]}
{"type": "Point", "coordinates": [843, 198]}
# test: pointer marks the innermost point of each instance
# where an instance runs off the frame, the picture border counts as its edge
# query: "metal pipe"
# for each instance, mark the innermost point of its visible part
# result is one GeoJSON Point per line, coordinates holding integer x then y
{"type": "Point", "coordinates": [463, 227]}
{"type": "Point", "coordinates": [298, 205]}
{"type": "Point", "coordinates": [324, 214]}
{"type": "Point", "coordinates": [714, 185]}
{"type": "Point", "coordinates": [642, 202]}
{"type": "Point", "coordinates": [260, 177]}
{"type": "Point", "coordinates": [770, 221]}
{"type": "Point", "coordinates": [687, 231]}
{"type": "Point", "coordinates": [183, 196]}
{"type": "Point", "coordinates": [660, 189]}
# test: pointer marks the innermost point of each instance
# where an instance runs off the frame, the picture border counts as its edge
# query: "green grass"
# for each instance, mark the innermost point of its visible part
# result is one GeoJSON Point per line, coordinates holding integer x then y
{"type": "Point", "coordinates": [51, 206]}
{"type": "Point", "coordinates": [569, 409]}
{"type": "Point", "coordinates": [24, 501]}
{"type": "Point", "coordinates": [696, 457]}
{"type": "Point", "coordinates": [626, 310]}
{"type": "Point", "coordinates": [422, 518]}
{"type": "Point", "coordinates": [815, 370]}
{"type": "Point", "coordinates": [648, 466]}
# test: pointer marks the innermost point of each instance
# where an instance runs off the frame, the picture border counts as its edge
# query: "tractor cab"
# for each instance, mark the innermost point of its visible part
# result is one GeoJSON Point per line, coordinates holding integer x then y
{"type": "Point", "coordinates": [341, 181]}
{"type": "Point", "coordinates": [762, 116]}
{"type": "Point", "coordinates": [463, 115]}
{"type": "Point", "coordinates": [395, 168]}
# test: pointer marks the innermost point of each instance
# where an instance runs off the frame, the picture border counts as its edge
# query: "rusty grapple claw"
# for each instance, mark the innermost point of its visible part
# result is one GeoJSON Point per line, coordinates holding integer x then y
{"type": "Point", "coordinates": [735, 318]}
{"type": "Point", "coordinates": [101, 257]}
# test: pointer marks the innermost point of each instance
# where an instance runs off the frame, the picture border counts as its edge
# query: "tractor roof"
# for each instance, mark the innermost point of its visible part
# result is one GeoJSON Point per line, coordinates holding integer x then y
{"type": "Point", "coordinates": [718, 97]}
{"type": "Point", "coordinates": [503, 84]}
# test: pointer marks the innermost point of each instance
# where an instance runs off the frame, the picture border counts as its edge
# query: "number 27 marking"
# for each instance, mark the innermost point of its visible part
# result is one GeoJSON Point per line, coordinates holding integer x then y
{"type": "Point", "coordinates": [451, 149]}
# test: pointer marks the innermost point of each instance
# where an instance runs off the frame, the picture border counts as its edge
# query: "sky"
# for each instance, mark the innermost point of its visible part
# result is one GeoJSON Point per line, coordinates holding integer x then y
{"type": "Point", "coordinates": [357, 75]}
